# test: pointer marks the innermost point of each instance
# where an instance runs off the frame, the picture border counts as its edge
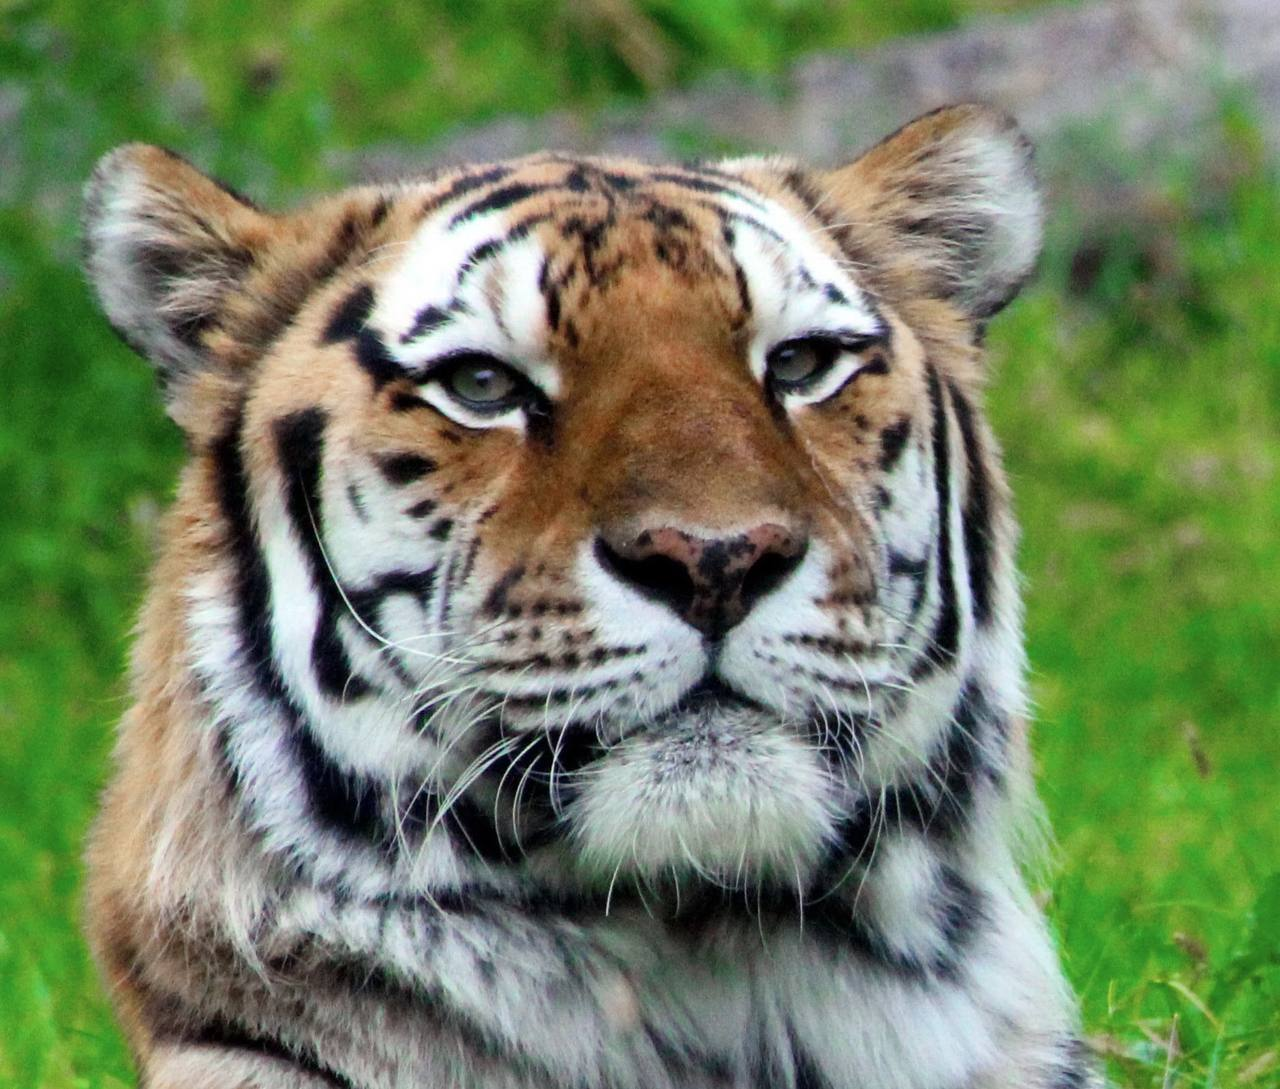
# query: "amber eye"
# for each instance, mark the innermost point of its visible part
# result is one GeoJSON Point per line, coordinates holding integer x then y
{"type": "Point", "coordinates": [795, 364]}
{"type": "Point", "coordinates": [483, 384]}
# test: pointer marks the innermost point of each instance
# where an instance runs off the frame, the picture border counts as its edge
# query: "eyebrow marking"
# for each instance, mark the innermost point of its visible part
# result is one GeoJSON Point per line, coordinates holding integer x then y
{"type": "Point", "coordinates": [349, 316]}
{"type": "Point", "coordinates": [428, 319]}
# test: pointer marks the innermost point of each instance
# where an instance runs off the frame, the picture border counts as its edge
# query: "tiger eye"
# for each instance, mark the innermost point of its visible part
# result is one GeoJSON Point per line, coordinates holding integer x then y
{"type": "Point", "coordinates": [799, 361]}
{"type": "Point", "coordinates": [482, 382]}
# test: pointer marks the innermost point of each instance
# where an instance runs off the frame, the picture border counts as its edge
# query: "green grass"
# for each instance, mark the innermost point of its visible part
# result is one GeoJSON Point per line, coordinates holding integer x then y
{"type": "Point", "coordinates": [1142, 428]}
{"type": "Point", "coordinates": [1139, 401]}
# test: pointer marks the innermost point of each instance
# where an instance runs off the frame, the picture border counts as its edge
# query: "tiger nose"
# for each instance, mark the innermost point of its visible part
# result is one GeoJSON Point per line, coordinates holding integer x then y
{"type": "Point", "coordinates": [710, 583]}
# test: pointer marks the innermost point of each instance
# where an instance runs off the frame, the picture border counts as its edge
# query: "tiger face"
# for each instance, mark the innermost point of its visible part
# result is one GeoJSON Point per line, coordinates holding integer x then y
{"type": "Point", "coordinates": [588, 524]}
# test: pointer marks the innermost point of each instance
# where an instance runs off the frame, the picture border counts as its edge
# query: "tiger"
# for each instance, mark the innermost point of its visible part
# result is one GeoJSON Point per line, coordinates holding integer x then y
{"type": "Point", "coordinates": [585, 647]}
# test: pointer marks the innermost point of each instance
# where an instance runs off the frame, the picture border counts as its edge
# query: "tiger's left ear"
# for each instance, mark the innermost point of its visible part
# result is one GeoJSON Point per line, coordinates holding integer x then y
{"type": "Point", "coordinates": [954, 198]}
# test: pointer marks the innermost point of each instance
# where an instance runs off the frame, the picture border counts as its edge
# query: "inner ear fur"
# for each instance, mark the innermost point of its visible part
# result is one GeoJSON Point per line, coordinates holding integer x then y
{"type": "Point", "coordinates": [166, 248]}
{"type": "Point", "coordinates": [200, 280]}
{"type": "Point", "coordinates": [952, 199]}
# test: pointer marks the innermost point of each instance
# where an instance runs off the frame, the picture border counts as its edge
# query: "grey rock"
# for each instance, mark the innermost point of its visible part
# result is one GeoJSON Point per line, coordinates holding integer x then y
{"type": "Point", "coordinates": [1151, 72]}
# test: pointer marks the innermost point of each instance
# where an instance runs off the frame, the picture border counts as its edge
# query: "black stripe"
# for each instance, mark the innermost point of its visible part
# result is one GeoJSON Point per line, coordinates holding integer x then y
{"type": "Point", "coordinates": [552, 296]}
{"type": "Point", "coordinates": [893, 440]}
{"type": "Point", "coordinates": [300, 446]}
{"type": "Point", "coordinates": [373, 356]}
{"type": "Point", "coordinates": [908, 566]}
{"type": "Point", "coordinates": [940, 801]}
{"type": "Point", "coordinates": [699, 182]}
{"type": "Point", "coordinates": [404, 467]}
{"type": "Point", "coordinates": [977, 509]}
{"type": "Point", "coordinates": [1077, 1066]}
{"type": "Point", "coordinates": [497, 199]}
{"type": "Point", "coordinates": [349, 316]}
{"type": "Point", "coordinates": [428, 319]}
{"type": "Point", "coordinates": [958, 908]}
{"type": "Point", "coordinates": [807, 192]}
{"type": "Point", "coordinates": [339, 801]}
{"type": "Point", "coordinates": [469, 563]}
{"type": "Point", "coordinates": [404, 401]}
{"type": "Point", "coordinates": [476, 826]}
{"type": "Point", "coordinates": [963, 910]}
{"type": "Point", "coordinates": [463, 185]}
{"type": "Point", "coordinates": [918, 571]}
{"type": "Point", "coordinates": [666, 218]}
{"type": "Point", "coordinates": [341, 248]}
{"type": "Point", "coordinates": [356, 499]}
{"type": "Point", "coordinates": [252, 589]}
{"type": "Point", "coordinates": [496, 600]}
{"type": "Point", "coordinates": [174, 1028]}
{"type": "Point", "coordinates": [251, 585]}
{"type": "Point", "coordinates": [739, 274]}
{"type": "Point", "coordinates": [944, 641]}
{"type": "Point", "coordinates": [728, 215]}
{"type": "Point", "coordinates": [876, 365]}
{"type": "Point", "coordinates": [417, 584]}
{"type": "Point", "coordinates": [687, 1067]}
{"type": "Point", "coordinates": [493, 246]}
{"type": "Point", "coordinates": [807, 1074]}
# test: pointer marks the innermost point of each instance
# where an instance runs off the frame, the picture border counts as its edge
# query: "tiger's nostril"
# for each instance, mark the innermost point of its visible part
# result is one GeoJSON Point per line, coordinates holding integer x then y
{"type": "Point", "coordinates": [766, 575]}
{"type": "Point", "coordinates": [710, 583]}
{"type": "Point", "coordinates": [662, 578]}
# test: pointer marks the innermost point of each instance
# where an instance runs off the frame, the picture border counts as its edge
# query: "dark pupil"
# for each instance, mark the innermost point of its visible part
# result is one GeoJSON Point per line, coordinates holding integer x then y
{"type": "Point", "coordinates": [798, 362]}
{"type": "Point", "coordinates": [483, 381]}
{"type": "Point", "coordinates": [485, 384]}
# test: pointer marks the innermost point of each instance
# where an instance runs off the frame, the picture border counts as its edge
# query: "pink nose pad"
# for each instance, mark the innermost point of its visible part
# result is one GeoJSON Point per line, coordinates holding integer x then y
{"type": "Point", "coordinates": [710, 583]}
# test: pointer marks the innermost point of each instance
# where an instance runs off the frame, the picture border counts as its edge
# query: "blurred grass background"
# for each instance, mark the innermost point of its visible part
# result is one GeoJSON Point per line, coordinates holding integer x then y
{"type": "Point", "coordinates": [1137, 389]}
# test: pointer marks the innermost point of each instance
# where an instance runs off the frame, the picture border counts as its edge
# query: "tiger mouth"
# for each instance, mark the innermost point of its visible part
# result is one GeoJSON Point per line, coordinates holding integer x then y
{"type": "Point", "coordinates": [709, 695]}
{"type": "Point", "coordinates": [568, 752]}
{"type": "Point", "coordinates": [558, 762]}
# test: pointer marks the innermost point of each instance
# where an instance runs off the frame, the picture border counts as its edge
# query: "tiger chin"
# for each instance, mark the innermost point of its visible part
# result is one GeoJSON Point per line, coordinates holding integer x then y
{"type": "Point", "coordinates": [584, 650]}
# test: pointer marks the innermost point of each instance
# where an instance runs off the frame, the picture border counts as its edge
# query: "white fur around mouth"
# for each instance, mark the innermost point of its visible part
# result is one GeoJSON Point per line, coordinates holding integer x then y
{"type": "Point", "coordinates": [717, 791]}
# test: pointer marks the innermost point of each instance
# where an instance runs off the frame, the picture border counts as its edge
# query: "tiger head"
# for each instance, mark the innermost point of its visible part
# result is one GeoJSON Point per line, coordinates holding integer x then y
{"type": "Point", "coordinates": [584, 520]}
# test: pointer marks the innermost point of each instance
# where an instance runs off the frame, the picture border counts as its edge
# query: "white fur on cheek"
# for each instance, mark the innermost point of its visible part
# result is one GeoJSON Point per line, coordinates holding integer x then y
{"type": "Point", "coordinates": [674, 653]}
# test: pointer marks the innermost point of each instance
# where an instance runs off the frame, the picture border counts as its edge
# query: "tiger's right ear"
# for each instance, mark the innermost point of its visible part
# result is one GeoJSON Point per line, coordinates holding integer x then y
{"type": "Point", "coordinates": [166, 248]}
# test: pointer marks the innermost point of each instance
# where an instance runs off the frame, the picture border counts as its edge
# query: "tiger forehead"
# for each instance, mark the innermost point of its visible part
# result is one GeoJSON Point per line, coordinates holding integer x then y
{"type": "Point", "coordinates": [560, 190]}
{"type": "Point", "coordinates": [514, 246]}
